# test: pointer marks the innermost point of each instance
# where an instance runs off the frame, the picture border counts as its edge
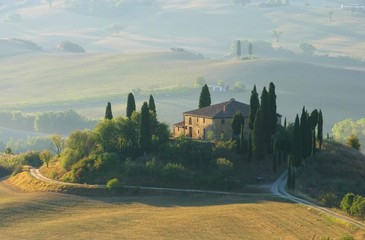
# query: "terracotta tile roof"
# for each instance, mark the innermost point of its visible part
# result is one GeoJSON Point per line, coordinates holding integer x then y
{"type": "Point", "coordinates": [221, 110]}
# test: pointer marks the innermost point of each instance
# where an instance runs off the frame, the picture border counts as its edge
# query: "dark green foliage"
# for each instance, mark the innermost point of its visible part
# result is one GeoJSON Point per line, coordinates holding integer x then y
{"type": "Point", "coordinates": [108, 111]}
{"type": "Point", "coordinates": [237, 122]}
{"type": "Point", "coordinates": [266, 121]}
{"type": "Point", "coordinates": [320, 129]}
{"type": "Point", "coordinates": [296, 149]}
{"type": "Point", "coordinates": [145, 137]}
{"type": "Point", "coordinates": [238, 48]}
{"type": "Point", "coordinates": [258, 137]}
{"type": "Point", "coordinates": [291, 174]}
{"type": "Point", "coordinates": [151, 104]}
{"type": "Point", "coordinates": [329, 199]}
{"type": "Point", "coordinates": [353, 204]}
{"type": "Point", "coordinates": [249, 147]}
{"type": "Point", "coordinates": [272, 108]}
{"type": "Point", "coordinates": [254, 106]}
{"type": "Point", "coordinates": [242, 141]}
{"type": "Point", "coordinates": [131, 105]}
{"type": "Point", "coordinates": [204, 100]}
{"type": "Point", "coordinates": [30, 158]}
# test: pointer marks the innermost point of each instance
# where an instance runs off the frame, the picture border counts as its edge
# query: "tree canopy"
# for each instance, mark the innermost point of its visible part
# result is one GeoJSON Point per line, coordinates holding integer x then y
{"type": "Point", "coordinates": [204, 100]}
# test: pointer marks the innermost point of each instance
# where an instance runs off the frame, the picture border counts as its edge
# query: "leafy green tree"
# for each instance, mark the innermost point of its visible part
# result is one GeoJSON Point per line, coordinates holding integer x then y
{"type": "Point", "coordinates": [107, 136]}
{"type": "Point", "coordinates": [45, 156]}
{"type": "Point", "coordinates": [58, 143]}
{"type": "Point", "coordinates": [347, 202]}
{"type": "Point", "coordinates": [204, 100]}
{"type": "Point", "coordinates": [238, 48]}
{"type": "Point", "coordinates": [272, 108]}
{"type": "Point", "coordinates": [254, 106]}
{"type": "Point", "coordinates": [131, 105]}
{"type": "Point", "coordinates": [237, 122]}
{"type": "Point", "coordinates": [258, 137]}
{"type": "Point", "coordinates": [83, 142]}
{"type": "Point", "coordinates": [144, 139]}
{"type": "Point", "coordinates": [320, 129]}
{"type": "Point", "coordinates": [108, 111]}
{"type": "Point", "coordinates": [151, 104]}
{"type": "Point", "coordinates": [353, 141]}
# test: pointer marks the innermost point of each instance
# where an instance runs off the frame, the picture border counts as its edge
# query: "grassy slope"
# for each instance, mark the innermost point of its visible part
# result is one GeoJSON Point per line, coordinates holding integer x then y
{"type": "Point", "coordinates": [97, 78]}
{"type": "Point", "coordinates": [337, 169]}
{"type": "Point", "coordinates": [141, 217]}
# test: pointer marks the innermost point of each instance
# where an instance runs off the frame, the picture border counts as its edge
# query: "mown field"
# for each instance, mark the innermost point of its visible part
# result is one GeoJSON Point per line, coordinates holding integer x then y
{"type": "Point", "coordinates": [41, 215]}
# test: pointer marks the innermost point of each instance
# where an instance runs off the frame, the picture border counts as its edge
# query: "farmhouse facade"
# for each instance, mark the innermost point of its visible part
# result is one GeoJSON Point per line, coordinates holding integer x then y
{"type": "Point", "coordinates": [212, 122]}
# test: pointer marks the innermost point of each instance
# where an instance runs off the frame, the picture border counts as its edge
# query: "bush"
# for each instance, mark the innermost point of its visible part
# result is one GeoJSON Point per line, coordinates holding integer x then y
{"type": "Point", "coordinates": [329, 199]}
{"type": "Point", "coordinates": [347, 202]}
{"type": "Point", "coordinates": [68, 158]}
{"type": "Point", "coordinates": [17, 169]}
{"type": "Point", "coordinates": [113, 184]}
{"type": "Point", "coordinates": [353, 141]}
{"type": "Point", "coordinates": [347, 237]}
{"type": "Point", "coordinates": [30, 158]}
{"type": "Point", "coordinates": [173, 172]}
{"type": "Point", "coordinates": [224, 167]}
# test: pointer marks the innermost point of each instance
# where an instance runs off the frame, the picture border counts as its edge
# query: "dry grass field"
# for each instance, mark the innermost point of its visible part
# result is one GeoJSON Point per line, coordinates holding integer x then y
{"type": "Point", "coordinates": [42, 215]}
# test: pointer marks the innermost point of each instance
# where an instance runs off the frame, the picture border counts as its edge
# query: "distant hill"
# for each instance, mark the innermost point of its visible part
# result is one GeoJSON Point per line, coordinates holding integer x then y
{"type": "Point", "coordinates": [14, 46]}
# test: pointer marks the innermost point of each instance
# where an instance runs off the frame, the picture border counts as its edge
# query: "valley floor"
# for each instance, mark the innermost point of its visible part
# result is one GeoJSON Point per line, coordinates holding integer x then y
{"type": "Point", "coordinates": [55, 216]}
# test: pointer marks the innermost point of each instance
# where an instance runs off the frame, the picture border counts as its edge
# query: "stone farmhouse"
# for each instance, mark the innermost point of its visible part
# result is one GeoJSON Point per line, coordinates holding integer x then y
{"type": "Point", "coordinates": [214, 120]}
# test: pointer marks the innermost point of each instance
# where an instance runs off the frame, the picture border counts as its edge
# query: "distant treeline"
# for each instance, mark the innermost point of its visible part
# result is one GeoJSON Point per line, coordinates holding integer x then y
{"type": "Point", "coordinates": [48, 122]}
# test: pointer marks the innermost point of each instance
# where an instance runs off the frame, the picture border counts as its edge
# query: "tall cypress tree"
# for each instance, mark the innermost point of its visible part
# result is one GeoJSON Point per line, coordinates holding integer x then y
{"type": "Point", "coordinates": [238, 48]}
{"type": "Point", "coordinates": [254, 106]}
{"type": "Point", "coordinates": [237, 122]}
{"type": "Point", "coordinates": [249, 147]}
{"type": "Point", "coordinates": [204, 100]}
{"type": "Point", "coordinates": [320, 129]}
{"type": "Point", "coordinates": [297, 144]}
{"type": "Point", "coordinates": [266, 117]}
{"type": "Point", "coordinates": [313, 122]}
{"type": "Point", "coordinates": [304, 132]}
{"type": "Point", "coordinates": [151, 104]}
{"type": "Point", "coordinates": [108, 111]}
{"type": "Point", "coordinates": [258, 137]}
{"type": "Point", "coordinates": [131, 105]}
{"type": "Point", "coordinates": [272, 108]}
{"type": "Point", "coordinates": [144, 138]}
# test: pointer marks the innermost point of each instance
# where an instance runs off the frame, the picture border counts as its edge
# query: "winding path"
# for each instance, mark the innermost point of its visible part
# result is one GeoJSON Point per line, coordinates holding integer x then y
{"type": "Point", "coordinates": [278, 189]}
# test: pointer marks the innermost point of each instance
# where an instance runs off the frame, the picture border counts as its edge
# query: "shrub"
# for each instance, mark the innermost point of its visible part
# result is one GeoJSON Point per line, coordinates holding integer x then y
{"type": "Point", "coordinates": [224, 167]}
{"type": "Point", "coordinates": [358, 206]}
{"type": "Point", "coordinates": [353, 141]}
{"type": "Point", "coordinates": [329, 199]}
{"type": "Point", "coordinates": [17, 169]}
{"type": "Point", "coordinates": [30, 158]}
{"type": "Point", "coordinates": [68, 158]}
{"type": "Point", "coordinates": [113, 184]}
{"type": "Point", "coordinates": [173, 172]}
{"type": "Point", "coordinates": [347, 202]}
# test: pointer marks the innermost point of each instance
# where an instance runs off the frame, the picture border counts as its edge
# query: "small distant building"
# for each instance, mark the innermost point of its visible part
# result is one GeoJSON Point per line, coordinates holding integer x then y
{"type": "Point", "coordinates": [353, 5]}
{"type": "Point", "coordinates": [214, 120]}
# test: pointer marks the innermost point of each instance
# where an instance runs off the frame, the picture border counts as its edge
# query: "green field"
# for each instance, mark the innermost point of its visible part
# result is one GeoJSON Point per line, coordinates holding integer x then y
{"type": "Point", "coordinates": [41, 215]}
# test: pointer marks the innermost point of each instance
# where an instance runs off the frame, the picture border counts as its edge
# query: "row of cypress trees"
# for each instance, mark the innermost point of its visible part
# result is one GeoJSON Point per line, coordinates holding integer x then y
{"type": "Point", "coordinates": [145, 136]}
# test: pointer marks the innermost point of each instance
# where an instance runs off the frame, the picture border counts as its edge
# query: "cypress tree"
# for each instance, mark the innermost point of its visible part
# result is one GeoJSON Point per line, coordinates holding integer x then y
{"type": "Point", "coordinates": [131, 105]}
{"type": "Point", "coordinates": [151, 104]}
{"type": "Point", "coordinates": [144, 138]}
{"type": "Point", "coordinates": [238, 48]}
{"type": "Point", "coordinates": [249, 147]}
{"type": "Point", "coordinates": [254, 106]}
{"type": "Point", "coordinates": [237, 122]}
{"type": "Point", "coordinates": [289, 181]}
{"type": "Point", "coordinates": [108, 111]}
{"type": "Point", "coordinates": [272, 108]}
{"type": "Point", "coordinates": [242, 147]}
{"type": "Point", "coordinates": [266, 118]}
{"type": "Point", "coordinates": [297, 144]}
{"type": "Point", "coordinates": [320, 129]}
{"type": "Point", "coordinates": [250, 49]}
{"type": "Point", "coordinates": [304, 133]}
{"type": "Point", "coordinates": [313, 122]}
{"type": "Point", "coordinates": [204, 100]}
{"type": "Point", "coordinates": [258, 137]}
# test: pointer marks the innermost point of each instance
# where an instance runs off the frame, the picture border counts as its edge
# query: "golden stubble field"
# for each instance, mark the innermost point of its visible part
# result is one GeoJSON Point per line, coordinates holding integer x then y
{"type": "Point", "coordinates": [42, 215]}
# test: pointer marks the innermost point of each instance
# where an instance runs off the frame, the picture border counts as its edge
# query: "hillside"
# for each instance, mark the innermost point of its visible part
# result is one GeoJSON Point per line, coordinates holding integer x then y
{"type": "Point", "coordinates": [160, 217]}
{"type": "Point", "coordinates": [93, 79]}
{"type": "Point", "coordinates": [336, 169]}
